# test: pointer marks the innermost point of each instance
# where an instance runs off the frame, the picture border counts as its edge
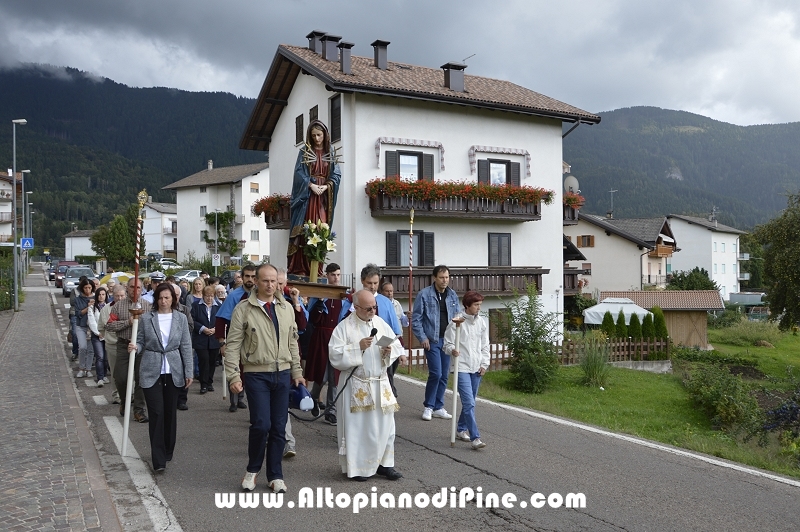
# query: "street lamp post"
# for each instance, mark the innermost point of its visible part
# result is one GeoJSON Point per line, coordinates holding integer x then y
{"type": "Point", "coordinates": [21, 122]}
{"type": "Point", "coordinates": [30, 220]}
{"type": "Point", "coordinates": [216, 240]}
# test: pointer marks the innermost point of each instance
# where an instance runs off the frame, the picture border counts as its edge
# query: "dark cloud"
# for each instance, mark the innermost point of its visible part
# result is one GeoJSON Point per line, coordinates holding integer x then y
{"type": "Point", "coordinates": [732, 59]}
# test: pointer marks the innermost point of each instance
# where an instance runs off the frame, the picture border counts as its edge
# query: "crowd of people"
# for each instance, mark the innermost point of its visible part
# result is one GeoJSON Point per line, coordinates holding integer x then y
{"type": "Point", "coordinates": [270, 340]}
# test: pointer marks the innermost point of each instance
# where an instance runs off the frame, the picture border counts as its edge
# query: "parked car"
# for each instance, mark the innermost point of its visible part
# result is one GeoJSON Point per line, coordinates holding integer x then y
{"type": "Point", "coordinates": [62, 269]}
{"type": "Point", "coordinates": [72, 278]}
{"type": "Point", "coordinates": [169, 264]}
{"type": "Point", "coordinates": [155, 256]}
{"type": "Point", "coordinates": [188, 275]}
{"type": "Point", "coordinates": [51, 271]}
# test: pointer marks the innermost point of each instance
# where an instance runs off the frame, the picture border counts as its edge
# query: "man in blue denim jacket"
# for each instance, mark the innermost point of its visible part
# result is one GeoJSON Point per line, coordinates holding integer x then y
{"type": "Point", "coordinates": [434, 307]}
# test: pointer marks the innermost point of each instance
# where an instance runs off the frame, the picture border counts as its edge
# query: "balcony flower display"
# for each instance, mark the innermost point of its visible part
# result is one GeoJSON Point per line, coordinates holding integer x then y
{"type": "Point", "coordinates": [270, 205]}
{"type": "Point", "coordinates": [440, 190]}
{"type": "Point", "coordinates": [571, 199]}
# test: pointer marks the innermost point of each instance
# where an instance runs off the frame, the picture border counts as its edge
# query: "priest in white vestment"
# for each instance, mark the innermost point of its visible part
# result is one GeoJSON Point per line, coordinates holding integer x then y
{"type": "Point", "coordinates": [366, 404]}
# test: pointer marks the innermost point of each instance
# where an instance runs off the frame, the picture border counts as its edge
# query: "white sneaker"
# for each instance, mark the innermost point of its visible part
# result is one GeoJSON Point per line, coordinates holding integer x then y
{"type": "Point", "coordinates": [277, 486]}
{"type": "Point", "coordinates": [89, 373]}
{"type": "Point", "coordinates": [426, 414]}
{"type": "Point", "coordinates": [442, 413]}
{"type": "Point", "coordinates": [105, 380]}
{"type": "Point", "coordinates": [249, 481]}
{"type": "Point", "coordinates": [289, 452]}
{"type": "Point", "coordinates": [463, 436]}
{"type": "Point", "coordinates": [99, 384]}
{"type": "Point", "coordinates": [80, 374]}
{"type": "Point", "coordinates": [478, 444]}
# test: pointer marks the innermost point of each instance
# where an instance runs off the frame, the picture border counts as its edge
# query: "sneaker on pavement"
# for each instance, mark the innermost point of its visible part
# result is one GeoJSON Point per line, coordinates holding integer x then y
{"type": "Point", "coordinates": [80, 374]}
{"type": "Point", "coordinates": [315, 409]}
{"type": "Point", "coordinates": [426, 414]}
{"type": "Point", "coordinates": [249, 481]}
{"type": "Point", "coordinates": [463, 436]}
{"type": "Point", "coordinates": [105, 380]}
{"type": "Point", "coordinates": [478, 444]}
{"type": "Point", "coordinates": [289, 452]}
{"type": "Point", "coordinates": [100, 384]}
{"type": "Point", "coordinates": [89, 373]}
{"type": "Point", "coordinates": [442, 413]}
{"type": "Point", "coordinates": [330, 419]}
{"type": "Point", "coordinates": [278, 486]}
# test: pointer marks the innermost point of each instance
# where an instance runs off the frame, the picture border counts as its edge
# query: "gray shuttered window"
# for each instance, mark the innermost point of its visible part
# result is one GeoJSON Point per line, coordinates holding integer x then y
{"type": "Point", "coordinates": [512, 171]}
{"type": "Point", "coordinates": [483, 171]}
{"type": "Point", "coordinates": [392, 165]}
{"type": "Point", "coordinates": [499, 249]}
{"type": "Point", "coordinates": [313, 113]}
{"type": "Point", "coordinates": [425, 162]}
{"type": "Point", "coordinates": [515, 168]}
{"type": "Point", "coordinates": [298, 129]}
{"type": "Point", "coordinates": [427, 166]}
{"type": "Point", "coordinates": [336, 118]}
{"type": "Point", "coordinates": [397, 255]}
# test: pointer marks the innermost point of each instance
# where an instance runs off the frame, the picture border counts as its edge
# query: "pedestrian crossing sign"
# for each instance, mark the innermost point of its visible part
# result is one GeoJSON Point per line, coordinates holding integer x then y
{"type": "Point", "coordinates": [26, 243]}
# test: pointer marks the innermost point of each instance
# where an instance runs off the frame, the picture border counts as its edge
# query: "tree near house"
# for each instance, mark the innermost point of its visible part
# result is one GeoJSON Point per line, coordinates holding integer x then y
{"type": "Point", "coordinates": [659, 323]}
{"type": "Point", "coordinates": [223, 224]}
{"type": "Point", "coordinates": [608, 325]}
{"type": "Point", "coordinates": [621, 330]}
{"type": "Point", "coordinates": [781, 239]}
{"type": "Point", "coordinates": [648, 329]}
{"type": "Point", "coordinates": [116, 241]}
{"type": "Point", "coordinates": [635, 327]}
{"type": "Point", "coordinates": [696, 279]}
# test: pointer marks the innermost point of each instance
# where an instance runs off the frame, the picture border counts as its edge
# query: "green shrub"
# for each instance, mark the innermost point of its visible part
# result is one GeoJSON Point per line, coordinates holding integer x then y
{"type": "Point", "coordinates": [621, 330]}
{"type": "Point", "coordinates": [594, 362]}
{"type": "Point", "coordinates": [530, 335]}
{"type": "Point", "coordinates": [648, 330]}
{"type": "Point", "coordinates": [693, 354]}
{"type": "Point", "coordinates": [635, 327]}
{"type": "Point", "coordinates": [727, 318]}
{"type": "Point", "coordinates": [747, 333]}
{"type": "Point", "coordinates": [659, 323]}
{"type": "Point", "coordinates": [724, 398]}
{"type": "Point", "coordinates": [608, 325]}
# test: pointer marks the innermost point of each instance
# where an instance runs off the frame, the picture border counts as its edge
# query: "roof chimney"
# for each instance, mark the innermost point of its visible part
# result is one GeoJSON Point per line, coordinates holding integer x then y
{"type": "Point", "coordinates": [149, 199]}
{"type": "Point", "coordinates": [610, 215]}
{"type": "Point", "coordinates": [210, 164]}
{"type": "Point", "coordinates": [344, 56]}
{"type": "Point", "coordinates": [329, 47]}
{"type": "Point", "coordinates": [454, 76]}
{"type": "Point", "coordinates": [380, 53]}
{"type": "Point", "coordinates": [314, 43]}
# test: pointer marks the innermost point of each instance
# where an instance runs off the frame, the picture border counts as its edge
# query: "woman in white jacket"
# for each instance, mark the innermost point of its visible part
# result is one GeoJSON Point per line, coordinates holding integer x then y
{"type": "Point", "coordinates": [473, 361]}
{"type": "Point", "coordinates": [98, 343]}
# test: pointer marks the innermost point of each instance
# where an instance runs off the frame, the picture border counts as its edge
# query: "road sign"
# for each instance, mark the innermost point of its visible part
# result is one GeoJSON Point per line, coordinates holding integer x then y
{"type": "Point", "coordinates": [216, 259]}
{"type": "Point", "coordinates": [27, 243]}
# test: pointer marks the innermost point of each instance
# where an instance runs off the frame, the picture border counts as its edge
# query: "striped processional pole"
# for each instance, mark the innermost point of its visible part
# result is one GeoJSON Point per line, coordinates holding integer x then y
{"type": "Point", "coordinates": [410, 282]}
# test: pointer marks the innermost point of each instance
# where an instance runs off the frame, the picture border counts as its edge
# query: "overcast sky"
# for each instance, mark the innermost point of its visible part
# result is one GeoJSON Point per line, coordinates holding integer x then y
{"type": "Point", "coordinates": [733, 60]}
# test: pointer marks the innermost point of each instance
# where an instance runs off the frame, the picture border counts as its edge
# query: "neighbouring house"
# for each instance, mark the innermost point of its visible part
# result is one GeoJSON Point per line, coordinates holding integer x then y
{"type": "Point", "coordinates": [160, 228]}
{"type": "Point", "coordinates": [710, 245]}
{"type": "Point", "coordinates": [78, 243]}
{"type": "Point", "coordinates": [623, 254]}
{"type": "Point", "coordinates": [202, 199]}
{"type": "Point", "coordinates": [6, 211]}
{"type": "Point", "coordinates": [406, 123]}
{"type": "Point", "coordinates": [685, 311]}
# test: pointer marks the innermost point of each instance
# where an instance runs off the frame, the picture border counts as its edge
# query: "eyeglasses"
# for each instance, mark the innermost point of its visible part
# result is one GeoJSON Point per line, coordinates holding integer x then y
{"type": "Point", "coordinates": [373, 309]}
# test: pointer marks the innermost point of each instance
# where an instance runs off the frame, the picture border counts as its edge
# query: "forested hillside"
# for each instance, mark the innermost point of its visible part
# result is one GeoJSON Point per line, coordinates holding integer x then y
{"type": "Point", "coordinates": [663, 161]}
{"type": "Point", "coordinates": [91, 144]}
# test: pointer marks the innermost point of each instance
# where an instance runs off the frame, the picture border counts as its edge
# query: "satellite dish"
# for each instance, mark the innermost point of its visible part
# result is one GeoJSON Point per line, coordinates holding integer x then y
{"type": "Point", "coordinates": [571, 184]}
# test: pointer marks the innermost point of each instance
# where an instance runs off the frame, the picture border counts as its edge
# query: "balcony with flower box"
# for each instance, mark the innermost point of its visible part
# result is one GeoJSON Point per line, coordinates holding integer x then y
{"type": "Point", "coordinates": [572, 205]}
{"type": "Point", "coordinates": [572, 285]}
{"type": "Point", "coordinates": [489, 281]}
{"type": "Point", "coordinates": [391, 197]}
{"type": "Point", "coordinates": [275, 209]}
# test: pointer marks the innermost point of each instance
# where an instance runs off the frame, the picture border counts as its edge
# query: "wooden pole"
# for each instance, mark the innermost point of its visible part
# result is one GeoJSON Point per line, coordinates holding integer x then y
{"type": "Point", "coordinates": [410, 284]}
{"type": "Point", "coordinates": [458, 320]}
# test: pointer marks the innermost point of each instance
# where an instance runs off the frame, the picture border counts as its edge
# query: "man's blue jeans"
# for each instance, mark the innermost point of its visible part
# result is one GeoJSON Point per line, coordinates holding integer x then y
{"type": "Point", "coordinates": [438, 373]}
{"type": "Point", "coordinates": [468, 384]}
{"type": "Point", "coordinates": [268, 399]}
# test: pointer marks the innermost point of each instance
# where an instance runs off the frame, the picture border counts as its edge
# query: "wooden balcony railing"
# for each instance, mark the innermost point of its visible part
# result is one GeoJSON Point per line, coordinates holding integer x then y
{"type": "Point", "coordinates": [571, 281]}
{"type": "Point", "coordinates": [490, 281]}
{"type": "Point", "coordinates": [280, 220]}
{"type": "Point", "coordinates": [384, 205]}
{"type": "Point", "coordinates": [571, 215]}
{"type": "Point", "coordinates": [660, 251]}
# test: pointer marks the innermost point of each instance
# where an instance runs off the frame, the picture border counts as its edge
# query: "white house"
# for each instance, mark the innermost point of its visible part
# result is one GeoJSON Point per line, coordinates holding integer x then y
{"type": "Point", "coordinates": [708, 244]}
{"type": "Point", "coordinates": [233, 188]}
{"type": "Point", "coordinates": [623, 254]}
{"type": "Point", "coordinates": [390, 118]}
{"type": "Point", "coordinates": [6, 210]}
{"type": "Point", "coordinates": [77, 243]}
{"type": "Point", "coordinates": [160, 228]}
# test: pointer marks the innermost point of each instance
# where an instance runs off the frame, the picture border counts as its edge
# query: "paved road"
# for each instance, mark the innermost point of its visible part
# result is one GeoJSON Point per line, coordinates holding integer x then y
{"type": "Point", "coordinates": [627, 485]}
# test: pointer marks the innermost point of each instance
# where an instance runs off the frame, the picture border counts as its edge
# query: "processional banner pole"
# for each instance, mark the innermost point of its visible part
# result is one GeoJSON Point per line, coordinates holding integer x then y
{"type": "Point", "coordinates": [458, 320]}
{"type": "Point", "coordinates": [410, 284]}
{"type": "Point", "coordinates": [135, 312]}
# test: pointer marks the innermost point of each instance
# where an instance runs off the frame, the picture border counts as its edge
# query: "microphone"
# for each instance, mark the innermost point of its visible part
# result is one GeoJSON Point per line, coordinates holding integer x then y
{"type": "Point", "coordinates": [373, 332]}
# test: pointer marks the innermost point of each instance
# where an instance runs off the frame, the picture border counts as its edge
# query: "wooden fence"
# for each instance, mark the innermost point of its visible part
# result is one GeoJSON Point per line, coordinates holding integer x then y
{"type": "Point", "coordinates": [568, 353]}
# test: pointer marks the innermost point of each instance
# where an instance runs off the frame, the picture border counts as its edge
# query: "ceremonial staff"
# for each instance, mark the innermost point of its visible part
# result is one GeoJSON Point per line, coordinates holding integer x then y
{"type": "Point", "coordinates": [410, 284]}
{"type": "Point", "coordinates": [458, 320]}
{"type": "Point", "coordinates": [135, 311]}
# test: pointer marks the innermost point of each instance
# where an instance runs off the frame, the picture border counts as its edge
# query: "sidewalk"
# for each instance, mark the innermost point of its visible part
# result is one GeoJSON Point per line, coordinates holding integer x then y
{"type": "Point", "coordinates": [50, 473]}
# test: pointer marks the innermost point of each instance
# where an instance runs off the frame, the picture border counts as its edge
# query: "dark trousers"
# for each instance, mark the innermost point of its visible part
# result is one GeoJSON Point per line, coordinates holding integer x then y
{"type": "Point", "coordinates": [121, 375]}
{"type": "Point", "coordinates": [162, 406]}
{"type": "Point", "coordinates": [268, 399]}
{"type": "Point", "coordinates": [207, 360]}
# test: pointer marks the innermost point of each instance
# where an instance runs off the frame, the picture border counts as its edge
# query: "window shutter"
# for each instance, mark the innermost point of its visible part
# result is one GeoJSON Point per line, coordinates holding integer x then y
{"type": "Point", "coordinates": [427, 166]}
{"type": "Point", "coordinates": [515, 174]}
{"type": "Point", "coordinates": [392, 259]}
{"type": "Point", "coordinates": [427, 248]}
{"type": "Point", "coordinates": [336, 118]}
{"type": "Point", "coordinates": [505, 250]}
{"type": "Point", "coordinates": [579, 241]}
{"type": "Point", "coordinates": [392, 165]}
{"type": "Point", "coordinates": [591, 241]}
{"type": "Point", "coordinates": [313, 113]}
{"type": "Point", "coordinates": [494, 250]}
{"type": "Point", "coordinates": [298, 129]}
{"type": "Point", "coordinates": [483, 171]}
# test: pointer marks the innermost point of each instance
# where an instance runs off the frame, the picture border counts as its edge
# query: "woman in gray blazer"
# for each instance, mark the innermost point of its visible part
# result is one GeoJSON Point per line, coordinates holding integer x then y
{"type": "Point", "coordinates": [165, 342]}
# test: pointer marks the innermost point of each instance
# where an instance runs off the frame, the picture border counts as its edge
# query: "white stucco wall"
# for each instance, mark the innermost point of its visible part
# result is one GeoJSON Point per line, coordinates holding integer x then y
{"type": "Point", "coordinates": [77, 246]}
{"type": "Point", "coordinates": [458, 242]}
{"type": "Point", "coordinates": [153, 226]}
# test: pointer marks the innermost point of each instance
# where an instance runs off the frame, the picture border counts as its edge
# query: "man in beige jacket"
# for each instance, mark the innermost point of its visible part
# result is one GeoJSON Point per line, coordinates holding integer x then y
{"type": "Point", "coordinates": [262, 338]}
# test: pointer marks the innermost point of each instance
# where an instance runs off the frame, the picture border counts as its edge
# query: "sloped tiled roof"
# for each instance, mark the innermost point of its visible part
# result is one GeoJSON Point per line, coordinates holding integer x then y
{"type": "Point", "coordinates": [646, 229]}
{"type": "Point", "coordinates": [400, 80]}
{"type": "Point", "coordinates": [218, 176]}
{"type": "Point", "coordinates": [708, 224]}
{"type": "Point", "coordinates": [164, 208]}
{"type": "Point", "coordinates": [671, 299]}
{"type": "Point", "coordinates": [604, 223]}
{"type": "Point", "coordinates": [80, 233]}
